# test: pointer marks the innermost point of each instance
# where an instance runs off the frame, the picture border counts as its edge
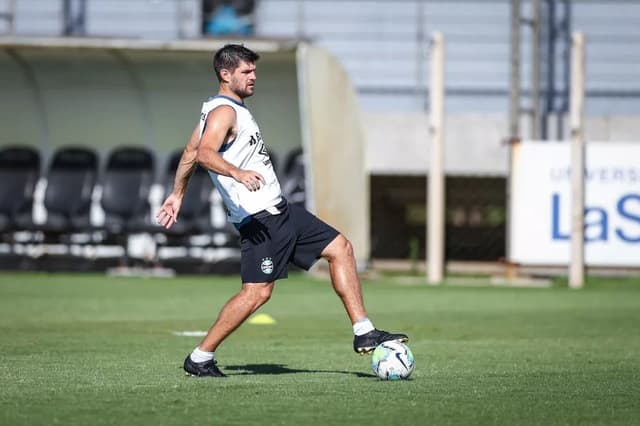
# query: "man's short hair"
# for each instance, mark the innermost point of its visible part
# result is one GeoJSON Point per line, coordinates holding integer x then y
{"type": "Point", "coordinates": [230, 56]}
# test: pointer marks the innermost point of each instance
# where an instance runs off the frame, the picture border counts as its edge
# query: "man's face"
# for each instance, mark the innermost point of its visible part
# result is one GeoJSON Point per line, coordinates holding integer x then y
{"type": "Point", "coordinates": [243, 79]}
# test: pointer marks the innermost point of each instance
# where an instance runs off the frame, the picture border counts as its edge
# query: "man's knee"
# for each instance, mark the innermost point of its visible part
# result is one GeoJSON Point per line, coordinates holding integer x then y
{"type": "Point", "coordinates": [258, 293]}
{"type": "Point", "coordinates": [339, 248]}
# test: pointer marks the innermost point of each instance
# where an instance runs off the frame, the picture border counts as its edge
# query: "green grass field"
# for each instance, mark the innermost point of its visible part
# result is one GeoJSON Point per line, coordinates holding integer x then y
{"type": "Point", "coordinates": [92, 350]}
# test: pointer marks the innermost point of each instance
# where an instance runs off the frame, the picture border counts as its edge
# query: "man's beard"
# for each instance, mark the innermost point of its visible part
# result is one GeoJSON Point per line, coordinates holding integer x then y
{"type": "Point", "coordinates": [244, 92]}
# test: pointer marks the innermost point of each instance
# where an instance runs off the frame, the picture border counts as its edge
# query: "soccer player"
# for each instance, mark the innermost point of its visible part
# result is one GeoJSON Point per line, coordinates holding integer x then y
{"type": "Point", "coordinates": [228, 143]}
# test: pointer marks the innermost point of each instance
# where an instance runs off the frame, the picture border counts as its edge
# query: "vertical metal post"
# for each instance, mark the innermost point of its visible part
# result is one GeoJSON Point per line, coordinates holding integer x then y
{"type": "Point", "coordinates": [514, 122]}
{"type": "Point", "coordinates": [82, 17]}
{"type": "Point", "coordinates": [300, 33]}
{"type": "Point", "coordinates": [74, 17]}
{"type": "Point", "coordinates": [66, 18]}
{"type": "Point", "coordinates": [535, 70]}
{"type": "Point", "coordinates": [436, 198]}
{"type": "Point", "coordinates": [422, 52]}
{"type": "Point", "coordinates": [566, 34]}
{"type": "Point", "coordinates": [576, 267]}
{"type": "Point", "coordinates": [181, 18]}
{"type": "Point", "coordinates": [550, 57]}
{"type": "Point", "coordinates": [514, 106]}
{"type": "Point", "coordinates": [12, 16]}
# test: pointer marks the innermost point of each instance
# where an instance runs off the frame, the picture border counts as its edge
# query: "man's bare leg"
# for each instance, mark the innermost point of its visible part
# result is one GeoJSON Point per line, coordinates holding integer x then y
{"type": "Point", "coordinates": [346, 283]}
{"type": "Point", "coordinates": [344, 277]}
{"type": "Point", "coordinates": [201, 362]}
{"type": "Point", "coordinates": [235, 312]}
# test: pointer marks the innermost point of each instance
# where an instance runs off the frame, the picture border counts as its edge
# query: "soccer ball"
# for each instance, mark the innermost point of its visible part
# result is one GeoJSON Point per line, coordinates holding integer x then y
{"type": "Point", "coordinates": [392, 361]}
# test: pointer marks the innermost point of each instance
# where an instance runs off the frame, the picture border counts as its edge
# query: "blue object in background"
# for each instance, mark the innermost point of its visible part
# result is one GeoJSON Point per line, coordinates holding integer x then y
{"type": "Point", "coordinates": [227, 21]}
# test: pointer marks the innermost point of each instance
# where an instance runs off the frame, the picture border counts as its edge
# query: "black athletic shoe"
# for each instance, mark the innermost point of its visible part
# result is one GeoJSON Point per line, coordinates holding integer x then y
{"type": "Point", "coordinates": [368, 342]}
{"type": "Point", "coordinates": [202, 369]}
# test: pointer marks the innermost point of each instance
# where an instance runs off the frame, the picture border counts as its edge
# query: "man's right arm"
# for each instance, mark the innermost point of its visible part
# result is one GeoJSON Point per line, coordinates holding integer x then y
{"type": "Point", "coordinates": [187, 164]}
{"type": "Point", "coordinates": [168, 213]}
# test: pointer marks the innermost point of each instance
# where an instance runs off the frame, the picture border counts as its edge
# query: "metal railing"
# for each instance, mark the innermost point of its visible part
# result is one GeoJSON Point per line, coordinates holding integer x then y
{"type": "Point", "coordinates": [7, 15]}
{"type": "Point", "coordinates": [167, 19]}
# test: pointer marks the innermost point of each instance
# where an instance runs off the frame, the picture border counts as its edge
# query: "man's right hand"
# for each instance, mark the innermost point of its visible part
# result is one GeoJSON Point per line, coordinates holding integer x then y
{"type": "Point", "coordinates": [168, 213]}
{"type": "Point", "coordinates": [250, 179]}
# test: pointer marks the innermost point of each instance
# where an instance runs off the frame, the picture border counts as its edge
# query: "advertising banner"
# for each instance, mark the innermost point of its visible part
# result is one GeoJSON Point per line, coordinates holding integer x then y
{"type": "Point", "coordinates": [541, 204]}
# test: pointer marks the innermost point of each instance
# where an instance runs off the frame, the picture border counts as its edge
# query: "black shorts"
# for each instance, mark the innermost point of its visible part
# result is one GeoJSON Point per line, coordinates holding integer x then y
{"type": "Point", "coordinates": [269, 242]}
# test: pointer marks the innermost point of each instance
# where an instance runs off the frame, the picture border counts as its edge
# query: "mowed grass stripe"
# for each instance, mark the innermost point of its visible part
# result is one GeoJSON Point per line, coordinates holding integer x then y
{"type": "Point", "coordinates": [88, 349]}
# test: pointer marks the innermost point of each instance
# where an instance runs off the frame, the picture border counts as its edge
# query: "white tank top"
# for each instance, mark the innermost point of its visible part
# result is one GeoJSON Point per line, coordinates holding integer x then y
{"type": "Point", "coordinates": [248, 152]}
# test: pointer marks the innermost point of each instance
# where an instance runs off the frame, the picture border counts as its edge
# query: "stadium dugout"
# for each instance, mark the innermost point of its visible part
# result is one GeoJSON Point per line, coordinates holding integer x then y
{"type": "Point", "coordinates": [107, 93]}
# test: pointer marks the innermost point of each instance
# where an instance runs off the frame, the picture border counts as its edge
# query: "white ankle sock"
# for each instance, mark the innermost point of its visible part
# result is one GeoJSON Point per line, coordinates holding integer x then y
{"type": "Point", "coordinates": [362, 327]}
{"type": "Point", "coordinates": [201, 356]}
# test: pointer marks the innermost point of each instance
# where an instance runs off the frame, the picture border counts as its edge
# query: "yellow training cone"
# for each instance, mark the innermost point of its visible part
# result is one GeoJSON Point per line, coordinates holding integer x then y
{"type": "Point", "coordinates": [262, 319]}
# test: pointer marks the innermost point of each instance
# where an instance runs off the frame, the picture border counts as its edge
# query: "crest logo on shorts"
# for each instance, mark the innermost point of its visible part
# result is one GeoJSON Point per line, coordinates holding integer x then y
{"type": "Point", "coordinates": [267, 265]}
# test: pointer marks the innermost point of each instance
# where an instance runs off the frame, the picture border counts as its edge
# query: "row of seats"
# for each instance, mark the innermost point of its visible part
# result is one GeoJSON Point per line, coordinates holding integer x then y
{"type": "Point", "coordinates": [83, 204]}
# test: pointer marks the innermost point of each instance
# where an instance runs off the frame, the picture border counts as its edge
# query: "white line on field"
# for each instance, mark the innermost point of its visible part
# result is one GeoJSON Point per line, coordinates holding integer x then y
{"type": "Point", "coordinates": [196, 333]}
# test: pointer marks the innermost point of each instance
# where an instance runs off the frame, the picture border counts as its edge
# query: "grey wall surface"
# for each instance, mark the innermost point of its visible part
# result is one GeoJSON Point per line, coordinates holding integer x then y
{"type": "Point", "coordinates": [384, 45]}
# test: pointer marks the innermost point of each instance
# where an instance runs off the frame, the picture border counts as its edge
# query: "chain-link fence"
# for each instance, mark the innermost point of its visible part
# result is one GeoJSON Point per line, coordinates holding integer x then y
{"type": "Point", "coordinates": [475, 217]}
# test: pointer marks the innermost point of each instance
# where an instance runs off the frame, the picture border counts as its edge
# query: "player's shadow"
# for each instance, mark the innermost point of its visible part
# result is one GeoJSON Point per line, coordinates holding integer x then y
{"type": "Point", "coordinates": [282, 369]}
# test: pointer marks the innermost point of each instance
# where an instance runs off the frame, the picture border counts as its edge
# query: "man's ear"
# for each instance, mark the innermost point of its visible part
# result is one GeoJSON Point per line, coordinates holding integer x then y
{"type": "Point", "coordinates": [225, 74]}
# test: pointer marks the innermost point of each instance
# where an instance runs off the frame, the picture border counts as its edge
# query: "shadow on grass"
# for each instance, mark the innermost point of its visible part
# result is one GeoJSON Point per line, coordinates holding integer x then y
{"type": "Point", "coordinates": [282, 369]}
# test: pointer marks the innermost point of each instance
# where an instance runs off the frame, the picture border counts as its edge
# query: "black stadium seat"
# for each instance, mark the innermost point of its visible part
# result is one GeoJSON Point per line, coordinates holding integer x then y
{"type": "Point", "coordinates": [293, 178]}
{"type": "Point", "coordinates": [19, 173]}
{"type": "Point", "coordinates": [128, 177]}
{"type": "Point", "coordinates": [126, 183]}
{"type": "Point", "coordinates": [71, 179]}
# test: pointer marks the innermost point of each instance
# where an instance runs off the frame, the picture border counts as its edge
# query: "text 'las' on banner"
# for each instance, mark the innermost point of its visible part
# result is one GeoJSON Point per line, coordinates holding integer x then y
{"type": "Point", "coordinates": [541, 204]}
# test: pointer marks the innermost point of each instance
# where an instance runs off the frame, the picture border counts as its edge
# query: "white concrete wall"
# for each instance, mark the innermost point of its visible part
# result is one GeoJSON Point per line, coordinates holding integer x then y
{"type": "Point", "coordinates": [398, 143]}
{"type": "Point", "coordinates": [335, 148]}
